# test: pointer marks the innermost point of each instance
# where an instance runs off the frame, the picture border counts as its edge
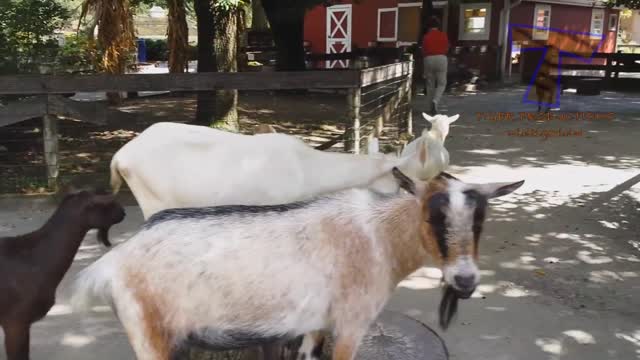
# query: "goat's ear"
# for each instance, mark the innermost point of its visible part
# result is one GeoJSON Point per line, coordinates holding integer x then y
{"type": "Point", "coordinates": [453, 118]}
{"type": "Point", "coordinates": [427, 117]}
{"type": "Point", "coordinates": [423, 152]}
{"type": "Point", "coordinates": [404, 181]}
{"type": "Point", "coordinates": [446, 175]}
{"type": "Point", "coordinates": [494, 190]}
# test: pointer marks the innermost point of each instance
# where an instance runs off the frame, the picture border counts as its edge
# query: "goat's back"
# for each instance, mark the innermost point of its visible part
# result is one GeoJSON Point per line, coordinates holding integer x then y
{"type": "Point", "coordinates": [176, 165]}
{"type": "Point", "coordinates": [437, 158]}
{"type": "Point", "coordinates": [270, 269]}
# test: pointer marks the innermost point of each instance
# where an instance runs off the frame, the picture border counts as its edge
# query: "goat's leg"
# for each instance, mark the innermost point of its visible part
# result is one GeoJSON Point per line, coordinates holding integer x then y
{"type": "Point", "coordinates": [142, 322]}
{"type": "Point", "coordinates": [311, 348]}
{"type": "Point", "coordinates": [16, 340]}
{"type": "Point", "coordinates": [347, 342]}
{"type": "Point", "coordinates": [346, 347]}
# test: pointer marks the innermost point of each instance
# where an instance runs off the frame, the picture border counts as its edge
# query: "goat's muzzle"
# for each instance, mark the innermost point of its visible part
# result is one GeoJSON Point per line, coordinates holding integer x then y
{"type": "Point", "coordinates": [103, 232]}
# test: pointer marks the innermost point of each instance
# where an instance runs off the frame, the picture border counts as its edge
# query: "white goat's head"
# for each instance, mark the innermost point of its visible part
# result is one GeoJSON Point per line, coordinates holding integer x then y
{"type": "Point", "coordinates": [440, 124]}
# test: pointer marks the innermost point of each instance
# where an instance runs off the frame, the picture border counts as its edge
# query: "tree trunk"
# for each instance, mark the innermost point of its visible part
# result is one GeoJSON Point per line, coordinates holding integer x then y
{"type": "Point", "coordinates": [226, 50]}
{"type": "Point", "coordinates": [178, 36]}
{"type": "Point", "coordinates": [287, 27]}
{"type": "Point", "coordinates": [259, 20]}
{"type": "Point", "coordinates": [205, 106]}
{"type": "Point", "coordinates": [116, 36]}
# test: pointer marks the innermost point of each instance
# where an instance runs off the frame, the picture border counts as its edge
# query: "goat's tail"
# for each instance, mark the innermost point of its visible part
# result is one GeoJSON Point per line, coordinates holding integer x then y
{"type": "Point", "coordinates": [116, 179]}
{"type": "Point", "coordinates": [95, 283]}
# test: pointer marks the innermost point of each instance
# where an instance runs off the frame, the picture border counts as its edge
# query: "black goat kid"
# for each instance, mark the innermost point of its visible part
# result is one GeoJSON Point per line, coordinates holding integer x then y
{"type": "Point", "coordinates": [32, 265]}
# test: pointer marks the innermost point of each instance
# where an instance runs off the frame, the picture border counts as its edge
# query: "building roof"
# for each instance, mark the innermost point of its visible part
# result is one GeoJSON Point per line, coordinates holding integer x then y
{"type": "Point", "coordinates": [586, 3]}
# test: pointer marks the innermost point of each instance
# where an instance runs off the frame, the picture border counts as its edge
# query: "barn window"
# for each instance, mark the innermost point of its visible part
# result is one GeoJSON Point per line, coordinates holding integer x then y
{"type": "Point", "coordinates": [597, 22]}
{"type": "Point", "coordinates": [475, 21]}
{"type": "Point", "coordinates": [388, 24]}
{"type": "Point", "coordinates": [613, 22]}
{"type": "Point", "coordinates": [541, 22]}
{"type": "Point", "coordinates": [408, 23]}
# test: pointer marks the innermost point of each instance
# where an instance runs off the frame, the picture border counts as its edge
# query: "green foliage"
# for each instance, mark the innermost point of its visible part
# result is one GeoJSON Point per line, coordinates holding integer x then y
{"type": "Point", "coordinates": [229, 5]}
{"type": "Point", "coordinates": [158, 50]}
{"type": "Point", "coordinates": [78, 53]}
{"type": "Point", "coordinates": [27, 33]}
{"type": "Point", "coordinates": [630, 4]}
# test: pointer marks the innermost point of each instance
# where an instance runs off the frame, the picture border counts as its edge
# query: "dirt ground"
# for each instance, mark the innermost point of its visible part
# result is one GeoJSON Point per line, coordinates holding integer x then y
{"type": "Point", "coordinates": [560, 257]}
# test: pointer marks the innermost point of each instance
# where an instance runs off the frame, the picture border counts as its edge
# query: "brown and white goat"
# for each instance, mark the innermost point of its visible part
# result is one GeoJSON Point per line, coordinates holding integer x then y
{"type": "Point", "coordinates": [236, 276]}
{"type": "Point", "coordinates": [32, 265]}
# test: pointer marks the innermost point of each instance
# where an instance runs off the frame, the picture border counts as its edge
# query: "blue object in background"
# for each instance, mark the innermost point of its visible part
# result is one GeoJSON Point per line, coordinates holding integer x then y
{"type": "Point", "coordinates": [142, 50]}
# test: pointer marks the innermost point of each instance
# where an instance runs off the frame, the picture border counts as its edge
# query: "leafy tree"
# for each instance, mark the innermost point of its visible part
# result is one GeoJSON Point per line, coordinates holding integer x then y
{"type": "Point", "coordinates": [630, 4]}
{"type": "Point", "coordinates": [26, 32]}
{"type": "Point", "coordinates": [115, 35]}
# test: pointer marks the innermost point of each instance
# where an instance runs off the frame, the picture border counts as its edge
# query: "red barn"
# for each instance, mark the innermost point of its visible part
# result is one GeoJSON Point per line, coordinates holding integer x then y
{"type": "Point", "coordinates": [477, 30]}
{"type": "Point", "coordinates": [582, 27]}
{"type": "Point", "coordinates": [472, 27]}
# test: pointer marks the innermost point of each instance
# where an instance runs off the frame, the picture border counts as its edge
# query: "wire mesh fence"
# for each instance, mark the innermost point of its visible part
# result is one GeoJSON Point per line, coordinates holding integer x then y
{"type": "Point", "coordinates": [83, 150]}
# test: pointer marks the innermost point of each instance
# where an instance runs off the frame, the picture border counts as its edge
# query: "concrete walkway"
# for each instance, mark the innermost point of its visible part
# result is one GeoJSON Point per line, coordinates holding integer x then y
{"type": "Point", "coordinates": [560, 258]}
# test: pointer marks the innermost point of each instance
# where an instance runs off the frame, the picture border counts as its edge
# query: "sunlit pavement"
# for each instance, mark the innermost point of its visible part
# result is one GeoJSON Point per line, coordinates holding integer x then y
{"type": "Point", "coordinates": [560, 257]}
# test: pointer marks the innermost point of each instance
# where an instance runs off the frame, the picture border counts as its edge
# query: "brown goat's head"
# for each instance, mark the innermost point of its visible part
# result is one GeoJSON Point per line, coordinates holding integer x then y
{"type": "Point", "coordinates": [453, 214]}
{"type": "Point", "coordinates": [100, 209]}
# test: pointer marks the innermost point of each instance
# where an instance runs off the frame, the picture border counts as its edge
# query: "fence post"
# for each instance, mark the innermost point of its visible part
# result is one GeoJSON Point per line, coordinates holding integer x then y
{"type": "Point", "coordinates": [408, 57]}
{"type": "Point", "coordinates": [354, 97]}
{"type": "Point", "coordinates": [619, 65]}
{"type": "Point", "coordinates": [607, 72]}
{"type": "Point", "coordinates": [50, 139]}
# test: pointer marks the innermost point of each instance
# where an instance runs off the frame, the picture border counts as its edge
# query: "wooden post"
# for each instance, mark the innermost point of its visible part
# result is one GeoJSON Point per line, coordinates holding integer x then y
{"type": "Point", "coordinates": [354, 99]}
{"type": "Point", "coordinates": [607, 72]}
{"type": "Point", "coordinates": [619, 65]}
{"type": "Point", "coordinates": [408, 86]}
{"type": "Point", "coordinates": [50, 137]}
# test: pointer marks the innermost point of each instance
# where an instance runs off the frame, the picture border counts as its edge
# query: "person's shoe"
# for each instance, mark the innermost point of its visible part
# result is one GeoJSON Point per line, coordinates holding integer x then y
{"type": "Point", "coordinates": [434, 108]}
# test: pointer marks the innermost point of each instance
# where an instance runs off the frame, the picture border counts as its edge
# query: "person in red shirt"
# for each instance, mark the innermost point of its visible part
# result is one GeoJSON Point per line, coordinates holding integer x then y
{"type": "Point", "coordinates": [435, 46]}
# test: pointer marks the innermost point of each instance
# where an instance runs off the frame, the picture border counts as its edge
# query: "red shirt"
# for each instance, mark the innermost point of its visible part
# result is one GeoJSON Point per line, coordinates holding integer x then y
{"type": "Point", "coordinates": [435, 42]}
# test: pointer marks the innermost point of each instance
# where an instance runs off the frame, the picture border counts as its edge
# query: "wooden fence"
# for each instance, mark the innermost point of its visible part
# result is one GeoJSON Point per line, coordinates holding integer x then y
{"type": "Point", "coordinates": [375, 96]}
{"type": "Point", "coordinates": [610, 65]}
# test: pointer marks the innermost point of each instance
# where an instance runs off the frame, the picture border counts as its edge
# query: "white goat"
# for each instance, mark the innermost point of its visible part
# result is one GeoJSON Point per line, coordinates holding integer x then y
{"type": "Point", "coordinates": [234, 276]}
{"type": "Point", "coordinates": [171, 165]}
{"type": "Point", "coordinates": [435, 137]}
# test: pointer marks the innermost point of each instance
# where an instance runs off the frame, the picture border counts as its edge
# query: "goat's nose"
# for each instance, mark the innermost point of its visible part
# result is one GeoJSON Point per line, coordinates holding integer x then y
{"type": "Point", "coordinates": [465, 281]}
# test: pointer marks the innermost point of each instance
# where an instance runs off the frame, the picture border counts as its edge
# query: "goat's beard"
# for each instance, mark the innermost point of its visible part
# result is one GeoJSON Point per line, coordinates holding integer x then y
{"type": "Point", "coordinates": [448, 306]}
{"type": "Point", "coordinates": [103, 236]}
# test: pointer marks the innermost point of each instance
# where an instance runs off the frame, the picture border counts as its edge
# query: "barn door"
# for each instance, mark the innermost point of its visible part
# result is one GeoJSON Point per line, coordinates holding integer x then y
{"type": "Point", "coordinates": [338, 34]}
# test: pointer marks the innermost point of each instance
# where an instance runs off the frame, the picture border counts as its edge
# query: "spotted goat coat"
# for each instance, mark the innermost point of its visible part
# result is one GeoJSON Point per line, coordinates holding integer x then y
{"type": "Point", "coordinates": [234, 276]}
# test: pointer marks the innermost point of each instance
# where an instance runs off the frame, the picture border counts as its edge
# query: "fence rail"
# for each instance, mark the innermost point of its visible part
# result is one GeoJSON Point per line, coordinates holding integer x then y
{"type": "Point", "coordinates": [610, 65]}
{"type": "Point", "coordinates": [376, 96]}
{"type": "Point", "coordinates": [63, 84]}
